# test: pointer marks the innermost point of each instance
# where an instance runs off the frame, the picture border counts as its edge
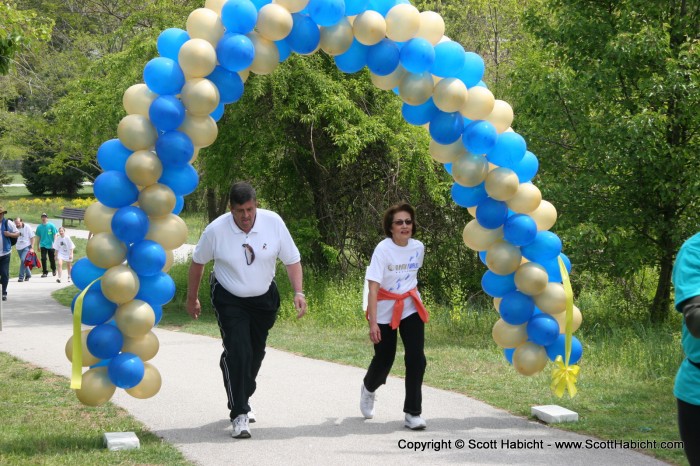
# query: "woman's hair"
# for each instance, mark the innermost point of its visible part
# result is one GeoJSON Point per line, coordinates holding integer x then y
{"type": "Point", "coordinates": [389, 216]}
{"type": "Point", "coordinates": [241, 193]}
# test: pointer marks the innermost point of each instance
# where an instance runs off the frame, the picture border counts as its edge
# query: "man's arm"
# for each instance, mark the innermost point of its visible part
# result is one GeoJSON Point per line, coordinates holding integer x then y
{"type": "Point", "coordinates": [691, 313]}
{"type": "Point", "coordinates": [194, 309]}
{"type": "Point", "coordinates": [295, 275]}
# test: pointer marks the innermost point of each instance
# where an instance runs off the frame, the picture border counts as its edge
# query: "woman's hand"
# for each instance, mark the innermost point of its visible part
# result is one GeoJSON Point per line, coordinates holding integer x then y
{"type": "Point", "coordinates": [374, 333]}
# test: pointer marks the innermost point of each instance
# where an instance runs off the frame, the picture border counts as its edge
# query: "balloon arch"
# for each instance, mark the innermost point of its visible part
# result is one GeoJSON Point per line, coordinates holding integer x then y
{"type": "Point", "coordinates": [148, 170]}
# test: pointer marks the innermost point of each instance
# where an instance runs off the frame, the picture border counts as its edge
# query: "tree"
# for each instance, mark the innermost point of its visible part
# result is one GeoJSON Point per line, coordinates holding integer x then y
{"type": "Point", "coordinates": [19, 29]}
{"type": "Point", "coordinates": [608, 97]}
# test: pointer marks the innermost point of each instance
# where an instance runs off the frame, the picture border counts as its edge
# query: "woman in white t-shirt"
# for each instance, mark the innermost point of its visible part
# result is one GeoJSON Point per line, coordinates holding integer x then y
{"type": "Point", "coordinates": [394, 304]}
{"type": "Point", "coordinates": [64, 251]}
{"type": "Point", "coordinates": [23, 246]}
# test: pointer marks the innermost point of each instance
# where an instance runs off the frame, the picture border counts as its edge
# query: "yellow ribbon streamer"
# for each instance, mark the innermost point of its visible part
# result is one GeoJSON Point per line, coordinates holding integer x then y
{"type": "Point", "coordinates": [76, 380]}
{"type": "Point", "coordinates": [564, 376]}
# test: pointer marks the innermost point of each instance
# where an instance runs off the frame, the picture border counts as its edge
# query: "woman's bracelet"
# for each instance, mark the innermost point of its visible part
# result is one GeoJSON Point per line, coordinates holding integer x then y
{"type": "Point", "coordinates": [299, 293]}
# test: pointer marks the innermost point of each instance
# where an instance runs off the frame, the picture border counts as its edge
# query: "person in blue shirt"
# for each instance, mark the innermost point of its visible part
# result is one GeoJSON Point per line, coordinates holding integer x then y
{"type": "Point", "coordinates": [7, 230]}
{"type": "Point", "coordinates": [686, 281]}
{"type": "Point", "coordinates": [45, 235]}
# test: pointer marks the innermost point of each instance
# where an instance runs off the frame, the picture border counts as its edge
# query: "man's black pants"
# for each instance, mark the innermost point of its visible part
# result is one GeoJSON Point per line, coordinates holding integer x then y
{"type": "Point", "coordinates": [52, 259]}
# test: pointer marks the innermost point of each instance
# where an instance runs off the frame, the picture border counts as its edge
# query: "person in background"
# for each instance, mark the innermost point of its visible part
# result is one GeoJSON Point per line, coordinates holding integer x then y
{"type": "Point", "coordinates": [64, 252]}
{"type": "Point", "coordinates": [686, 281]}
{"type": "Point", "coordinates": [23, 246]}
{"type": "Point", "coordinates": [394, 304]}
{"type": "Point", "coordinates": [45, 235]}
{"type": "Point", "coordinates": [244, 244]}
{"type": "Point", "coordinates": [7, 230]}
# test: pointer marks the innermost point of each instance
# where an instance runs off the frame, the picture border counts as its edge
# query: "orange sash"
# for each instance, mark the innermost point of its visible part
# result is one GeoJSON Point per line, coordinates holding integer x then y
{"type": "Point", "coordinates": [384, 295]}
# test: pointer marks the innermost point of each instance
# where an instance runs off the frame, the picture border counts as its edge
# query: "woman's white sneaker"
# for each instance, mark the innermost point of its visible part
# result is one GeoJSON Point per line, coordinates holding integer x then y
{"type": "Point", "coordinates": [415, 422]}
{"type": "Point", "coordinates": [367, 402]}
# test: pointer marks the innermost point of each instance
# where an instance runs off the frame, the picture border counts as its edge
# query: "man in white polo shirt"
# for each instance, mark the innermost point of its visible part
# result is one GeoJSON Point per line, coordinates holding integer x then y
{"type": "Point", "coordinates": [244, 245]}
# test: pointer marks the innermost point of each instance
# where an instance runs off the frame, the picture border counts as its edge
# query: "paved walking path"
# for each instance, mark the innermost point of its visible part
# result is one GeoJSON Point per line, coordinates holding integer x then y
{"type": "Point", "coordinates": [307, 409]}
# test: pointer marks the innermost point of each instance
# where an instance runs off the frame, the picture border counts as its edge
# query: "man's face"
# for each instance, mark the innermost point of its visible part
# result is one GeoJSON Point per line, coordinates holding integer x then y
{"type": "Point", "coordinates": [44, 220]}
{"type": "Point", "coordinates": [244, 215]}
{"type": "Point", "coordinates": [18, 223]}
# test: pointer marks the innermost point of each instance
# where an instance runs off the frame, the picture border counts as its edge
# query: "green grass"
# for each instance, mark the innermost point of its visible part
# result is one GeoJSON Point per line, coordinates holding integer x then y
{"type": "Point", "coordinates": [44, 423]}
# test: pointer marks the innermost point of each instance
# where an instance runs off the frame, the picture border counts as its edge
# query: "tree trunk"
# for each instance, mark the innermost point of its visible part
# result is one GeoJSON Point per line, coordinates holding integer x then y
{"type": "Point", "coordinates": [662, 299]}
{"type": "Point", "coordinates": [212, 209]}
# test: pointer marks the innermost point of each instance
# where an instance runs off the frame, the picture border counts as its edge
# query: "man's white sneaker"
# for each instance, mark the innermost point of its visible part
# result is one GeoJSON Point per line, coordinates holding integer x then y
{"type": "Point", "coordinates": [240, 427]}
{"type": "Point", "coordinates": [415, 422]}
{"type": "Point", "coordinates": [367, 402]}
{"type": "Point", "coordinates": [251, 414]}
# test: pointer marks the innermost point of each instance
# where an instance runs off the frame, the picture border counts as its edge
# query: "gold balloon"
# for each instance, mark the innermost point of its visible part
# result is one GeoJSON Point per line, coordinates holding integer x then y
{"type": "Point", "coordinates": [137, 99]}
{"type": "Point", "coordinates": [479, 103]}
{"type": "Point", "coordinates": [369, 27]}
{"type": "Point", "coordinates": [204, 23]}
{"type": "Point", "coordinates": [136, 132]}
{"type": "Point", "coordinates": [472, 211]}
{"type": "Point", "coordinates": [391, 80]}
{"type": "Point", "coordinates": [479, 238]}
{"type": "Point", "coordinates": [96, 387]}
{"type": "Point", "coordinates": [502, 184]}
{"type": "Point", "coordinates": [576, 320]}
{"type": "Point", "coordinates": [201, 129]}
{"type": "Point", "coordinates": [149, 385]}
{"type": "Point", "coordinates": [169, 259]}
{"type": "Point", "coordinates": [503, 258]}
{"type": "Point", "coordinates": [402, 22]}
{"type": "Point", "coordinates": [293, 6]}
{"type": "Point", "coordinates": [531, 278]}
{"type": "Point", "coordinates": [526, 199]}
{"type": "Point", "coordinates": [553, 299]}
{"type": "Point", "coordinates": [529, 358]}
{"type": "Point", "coordinates": [143, 168]}
{"type": "Point", "coordinates": [135, 318]}
{"type": "Point", "coordinates": [497, 306]}
{"type": "Point", "coordinates": [197, 58]}
{"type": "Point", "coordinates": [450, 94]}
{"type": "Point", "coordinates": [337, 39]}
{"type": "Point", "coordinates": [200, 96]}
{"type": "Point", "coordinates": [470, 169]}
{"type": "Point", "coordinates": [145, 346]}
{"type": "Point", "coordinates": [416, 89]}
{"type": "Point", "coordinates": [105, 250]}
{"type": "Point", "coordinates": [508, 336]}
{"type": "Point", "coordinates": [169, 231]}
{"type": "Point", "coordinates": [244, 74]}
{"type": "Point", "coordinates": [157, 200]}
{"type": "Point", "coordinates": [120, 284]}
{"type": "Point", "coordinates": [98, 217]}
{"type": "Point", "coordinates": [449, 153]}
{"type": "Point", "coordinates": [267, 55]}
{"type": "Point", "coordinates": [501, 117]}
{"type": "Point", "coordinates": [88, 358]}
{"type": "Point", "coordinates": [215, 5]}
{"type": "Point", "coordinates": [274, 22]}
{"type": "Point", "coordinates": [432, 27]}
{"type": "Point", "coordinates": [545, 215]}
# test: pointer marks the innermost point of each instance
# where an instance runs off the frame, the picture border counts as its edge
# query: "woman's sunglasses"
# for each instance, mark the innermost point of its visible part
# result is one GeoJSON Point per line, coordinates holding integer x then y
{"type": "Point", "coordinates": [401, 222]}
{"type": "Point", "coordinates": [249, 253]}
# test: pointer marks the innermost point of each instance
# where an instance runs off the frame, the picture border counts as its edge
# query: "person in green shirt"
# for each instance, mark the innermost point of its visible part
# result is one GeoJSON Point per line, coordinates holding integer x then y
{"type": "Point", "coordinates": [45, 234]}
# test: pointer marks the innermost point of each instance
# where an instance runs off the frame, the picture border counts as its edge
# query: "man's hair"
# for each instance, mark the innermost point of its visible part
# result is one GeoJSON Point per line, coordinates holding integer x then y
{"type": "Point", "coordinates": [389, 217]}
{"type": "Point", "coordinates": [241, 192]}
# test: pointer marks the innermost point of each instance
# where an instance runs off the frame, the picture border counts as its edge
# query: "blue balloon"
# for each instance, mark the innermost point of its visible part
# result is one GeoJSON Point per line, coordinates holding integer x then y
{"type": "Point", "coordinates": [146, 257]}
{"type": "Point", "coordinates": [449, 59]}
{"type": "Point", "coordinates": [174, 149]}
{"type": "Point", "coordinates": [419, 114]}
{"type": "Point", "coordinates": [491, 213]}
{"type": "Point", "coordinates": [496, 285]}
{"type": "Point", "coordinates": [355, 7]}
{"type": "Point", "coordinates": [546, 245]}
{"type": "Point", "coordinates": [166, 113]}
{"type": "Point", "coordinates": [482, 257]}
{"type": "Point", "coordinates": [520, 229]}
{"type": "Point", "coordinates": [179, 204]}
{"type": "Point", "coordinates": [130, 224]}
{"type": "Point", "coordinates": [543, 329]}
{"type": "Point", "coordinates": [567, 261]}
{"type": "Point", "coordinates": [260, 3]}
{"type": "Point", "coordinates": [527, 168]}
{"type": "Point", "coordinates": [105, 341]}
{"type": "Point", "coordinates": [468, 197]}
{"type": "Point", "coordinates": [383, 58]}
{"type": "Point", "coordinates": [326, 12]}
{"type": "Point", "coordinates": [112, 155]}
{"type": "Point", "coordinates": [479, 137]}
{"type": "Point", "coordinates": [126, 370]}
{"type": "Point", "coordinates": [417, 55]}
{"type": "Point", "coordinates": [381, 6]}
{"type": "Point", "coordinates": [229, 83]}
{"type": "Point", "coordinates": [218, 112]}
{"type": "Point", "coordinates": [354, 59]}
{"type": "Point", "coordinates": [183, 180]}
{"type": "Point", "coordinates": [508, 354]}
{"type": "Point", "coordinates": [552, 267]}
{"type": "Point", "coordinates": [516, 308]}
{"type": "Point", "coordinates": [446, 128]}
{"type": "Point", "coordinates": [473, 70]}
{"type": "Point", "coordinates": [558, 348]}
{"type": "Point", "coordinates": [508, 151]}
{"type": "Point", "coordinates": [163, 76]}
{"type": "Point", "coordinates": [447, 167]}
{"type": "Point", "coordinates": [239, 16]}
{"type": "Point", "coordinates": [305, 35]}
{"type": "Point", "coordinates": [114, 189]}
{"type": "Point", "coordinates": [157, 289]}
{"type": "Point", "coordinates": [284, 49]}
{"type": "Point", "coordinates": [170, 41]}
{"type": "Point", "coordinates": [85, 272]}
{"type": "Point", "coordinates": [96, 308]}
{"type": "Point", "coordinates": [158, 311]}
{"type": "Point", "coordinates": [235, 52]}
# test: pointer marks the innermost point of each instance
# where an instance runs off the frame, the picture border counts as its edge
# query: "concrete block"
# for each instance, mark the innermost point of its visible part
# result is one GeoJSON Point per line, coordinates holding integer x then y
{"type": "Point", "coordinates": [115, 441]}
{"type": "Point", "coordinates": [553, 414]}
